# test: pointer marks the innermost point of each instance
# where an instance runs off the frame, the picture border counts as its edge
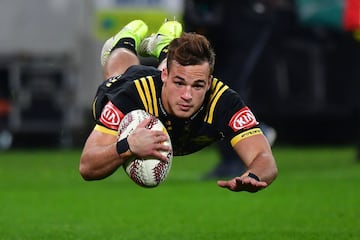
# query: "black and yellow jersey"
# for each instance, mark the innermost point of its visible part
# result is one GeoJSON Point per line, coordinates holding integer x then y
{"type": "Point", "coordinates": [222, 115]}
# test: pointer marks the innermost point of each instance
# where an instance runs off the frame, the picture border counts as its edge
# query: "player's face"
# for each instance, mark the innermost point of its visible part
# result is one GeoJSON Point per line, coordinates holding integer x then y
{"type": "Point", "coordinates": [185, 88]}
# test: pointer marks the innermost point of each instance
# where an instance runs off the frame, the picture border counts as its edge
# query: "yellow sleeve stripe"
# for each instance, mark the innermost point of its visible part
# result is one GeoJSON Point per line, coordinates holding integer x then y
{"type": "Point", "coordinates": [215, 85]}
{"type": "Point", "coordinates": [219, 89]}
{"type": "Point", "coordinates": [147, 95]}
{"type": "Point", "coordinates": [147, 92]}
{"type": "Point", "coordinates": [246, 134]}
{"type": "Point", "coordinates": [141, 93]}
{"type": "Point", "coordinates": [153, 93]}
{"type": "Point", "coordinates": [105, 130]}
{"type": "Point", "coordinates": [213, 104]}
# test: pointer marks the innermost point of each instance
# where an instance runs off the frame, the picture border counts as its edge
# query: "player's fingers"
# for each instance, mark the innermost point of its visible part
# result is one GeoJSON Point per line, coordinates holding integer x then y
{"type": "Point", "coordinates": [160, 155]}
{"type": "Point", "coordinates": [226, 184]}
{"type": "Point", "coordinates": [262, 184]}
{"type": "Point", "coordinates": [159, 136]}
{"type": "Point", "coordinates": [222, 183]}
{"type": "Point", "coordinates": [163, 158]}
{"type": "Point", "coordinates": [162, 147]}
{"type": "Point", "coordinates": [238, 180]}
{"type": "Point", "coordinates": [145, 122]}
{"type": "Point", "coordinates": [251, 181]}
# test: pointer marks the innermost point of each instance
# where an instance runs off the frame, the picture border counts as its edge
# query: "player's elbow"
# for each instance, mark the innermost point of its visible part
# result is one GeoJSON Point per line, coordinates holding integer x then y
{"type": "Point", "coordinates": [90, 173]}
{"type": "Point", "coordinates": [85, 172]}
{"type": "Point", "coordinates": [273, 174]}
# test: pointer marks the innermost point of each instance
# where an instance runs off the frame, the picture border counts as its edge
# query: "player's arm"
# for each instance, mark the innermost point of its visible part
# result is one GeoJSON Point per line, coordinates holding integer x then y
{"type": "Point", "coordinates": [103, 154]}
{"type": "Point", "coordinates": [256, 154]}
{"type": "Point", "coordinates": [99, 157]}
{"type": "Point", "coordinates": [248, 142]}
{"type": "Point", "coordinates": [255, 151]}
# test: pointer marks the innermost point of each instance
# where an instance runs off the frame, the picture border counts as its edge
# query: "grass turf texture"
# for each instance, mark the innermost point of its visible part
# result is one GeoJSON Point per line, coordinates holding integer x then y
{"type": "Point", "coordinates": [316, 196]}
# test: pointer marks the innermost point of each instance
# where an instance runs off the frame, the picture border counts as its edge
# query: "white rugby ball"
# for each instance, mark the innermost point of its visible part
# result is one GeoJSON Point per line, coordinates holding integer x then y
{"type": "Point", "coordinates": [146, 172]}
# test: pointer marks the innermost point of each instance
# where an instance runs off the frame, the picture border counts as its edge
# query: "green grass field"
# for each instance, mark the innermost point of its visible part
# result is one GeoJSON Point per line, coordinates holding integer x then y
{"type": "Point", "coordinates": [316, 196]}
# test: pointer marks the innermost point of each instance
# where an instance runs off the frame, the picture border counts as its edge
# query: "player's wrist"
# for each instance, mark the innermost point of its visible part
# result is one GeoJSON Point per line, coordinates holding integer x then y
{"type": "Point", "coordinates": [122, 146]}
{"type": "Point", "coordinates": [254, 176]}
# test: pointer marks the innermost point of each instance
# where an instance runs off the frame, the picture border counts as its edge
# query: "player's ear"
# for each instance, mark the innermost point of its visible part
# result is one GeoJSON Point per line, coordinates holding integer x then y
{"type": "Point", "coordinates": [164, 74]}
{"type": "Point", "coordinates": [210, 81]}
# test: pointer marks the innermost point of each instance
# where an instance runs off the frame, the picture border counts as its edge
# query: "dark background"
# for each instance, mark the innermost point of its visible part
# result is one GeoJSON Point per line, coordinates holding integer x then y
{"type": "Point", "coordinates": [304, 83]}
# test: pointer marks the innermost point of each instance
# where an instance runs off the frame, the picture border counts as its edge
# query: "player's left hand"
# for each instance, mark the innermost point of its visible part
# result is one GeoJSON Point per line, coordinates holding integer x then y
{"type": "Point", "coordinates": [239, 184]}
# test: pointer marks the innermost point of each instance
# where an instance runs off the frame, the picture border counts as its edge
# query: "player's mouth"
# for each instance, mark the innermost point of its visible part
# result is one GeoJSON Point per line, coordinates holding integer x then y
{"type": "Point", "coordinates": [185, 107]}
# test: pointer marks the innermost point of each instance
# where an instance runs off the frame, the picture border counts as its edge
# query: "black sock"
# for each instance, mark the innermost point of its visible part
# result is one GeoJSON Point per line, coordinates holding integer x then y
{"type": "Point", "coordinates": [127, 43]}
{"type": "Point", "coordinates": [163, 53]}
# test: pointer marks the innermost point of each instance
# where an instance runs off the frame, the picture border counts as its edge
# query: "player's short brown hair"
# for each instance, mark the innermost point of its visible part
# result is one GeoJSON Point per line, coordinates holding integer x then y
{"type": "Point", "coordinates": [191, 49]}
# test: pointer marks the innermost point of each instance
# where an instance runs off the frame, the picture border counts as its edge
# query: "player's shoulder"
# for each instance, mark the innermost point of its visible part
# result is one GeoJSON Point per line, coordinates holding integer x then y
{"type": "Point", "coordinates": [220, 90]}
{"type": "Point", "coordinates": [218, 86]}
{"type": "Point", "coordinates": [221, 101]}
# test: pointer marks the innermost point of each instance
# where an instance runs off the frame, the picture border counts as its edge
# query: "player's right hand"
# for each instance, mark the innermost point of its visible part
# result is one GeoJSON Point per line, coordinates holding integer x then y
{"type": "Point", "coordinates": [144, 142]}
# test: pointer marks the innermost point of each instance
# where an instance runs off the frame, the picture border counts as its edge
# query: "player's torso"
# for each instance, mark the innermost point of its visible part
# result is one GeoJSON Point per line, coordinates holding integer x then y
{"type": "Point", "coordinates": [143, 91]}
{"type": "Point", "coordinates": [190, 135]}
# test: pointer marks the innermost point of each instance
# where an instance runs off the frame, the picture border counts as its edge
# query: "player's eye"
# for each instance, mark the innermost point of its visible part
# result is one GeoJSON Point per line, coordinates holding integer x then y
{"type": "Point", "coordinates": [199, 86]}
{"type": "Point", "coordinates": [178, 83]}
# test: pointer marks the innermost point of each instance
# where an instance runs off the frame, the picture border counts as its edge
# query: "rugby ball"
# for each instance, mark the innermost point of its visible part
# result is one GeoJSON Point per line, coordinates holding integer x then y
{"type": "Point", "coordinates": [146, 172]}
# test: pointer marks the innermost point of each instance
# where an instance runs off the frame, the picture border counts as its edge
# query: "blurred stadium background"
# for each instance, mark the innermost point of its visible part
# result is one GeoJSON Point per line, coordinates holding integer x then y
{"type": "Point", "coordinates": [306, 85]}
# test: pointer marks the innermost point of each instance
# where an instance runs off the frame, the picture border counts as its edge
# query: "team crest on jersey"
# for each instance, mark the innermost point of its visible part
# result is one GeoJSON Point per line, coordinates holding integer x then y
{"type": "Point", "coordinates": [111, 116]}
{"type": "Point", "coordinates": [243, 119]}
